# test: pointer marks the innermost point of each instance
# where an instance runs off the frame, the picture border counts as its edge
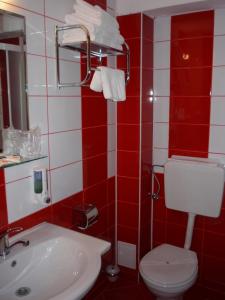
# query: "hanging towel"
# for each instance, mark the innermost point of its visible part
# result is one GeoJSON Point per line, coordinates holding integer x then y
{"type": "Point", "coordinates": [111, 82]}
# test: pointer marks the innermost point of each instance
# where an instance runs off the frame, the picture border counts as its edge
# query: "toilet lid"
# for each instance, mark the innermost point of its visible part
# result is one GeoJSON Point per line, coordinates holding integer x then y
{"type": "Point", "coordinates": [169, 265]}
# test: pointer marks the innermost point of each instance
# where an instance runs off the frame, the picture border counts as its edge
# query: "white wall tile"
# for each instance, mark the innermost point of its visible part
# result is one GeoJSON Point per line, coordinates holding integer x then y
{"type": "Point", "coordinates": [66, 181]}
{"type": "Point", "coordinates": [24, 170]}
{"type": "Point", "coordinates": [218, 81]}
{"type": "Point", "coordinates": [216, 139]}
{"type": "Point", "coordinates": [70, 72]}
{"type": "Point", "coordinates": [50, 43]}
{"type": "Point", "coordinates": [111, 4]}
{"type": "Point", "coordinates": [35, 34]}
{"type": "Point", "coordinates": [111, 112]}
{"type": "Point", "coordinates": [36, 75]}
{"type": "Point", "coordinates": [161, 109]}
{"type": "Point", "coordinates": [127, 255]}
{"type": "Point", "coordinates": [38, 113]}
{"type": "Point", "coordinates": [219, 23]}
{"type": "Point", "coordinates": [162, 55]}
{"type": "Point", "coordinates": [36, 6]}
{"type": "Point", "coordinates": [111, 11]}
{"type": "Point", "coordinates": [21, 200]}
{"type": "Point", "coordinates": [44, 145]}
{"type": "Point", "coordinates": [64, 114]}
{"type": "Point", "coordinates": [218, 51]}
{"type": "Point", "coordinates": [160, 135]}
{"type": "Point", "coordinates": [57, 9]}
{"type": "Point", "coordinates": [160, 157]}
{"type": "Point", "coordinates": [217, 115]}
{"type": "Point", "coordinates": [161, 82]}
{"type": "Point", "coordinates": [65, 148]}
{"type": "Point", "coordinates": [111, 137]}
{"type": "Point", "coordinates": [162, 28]}
{"type": "Point", "coordinates": [220, 157]}
{"type": "Point", "coordinates": [111, 164]}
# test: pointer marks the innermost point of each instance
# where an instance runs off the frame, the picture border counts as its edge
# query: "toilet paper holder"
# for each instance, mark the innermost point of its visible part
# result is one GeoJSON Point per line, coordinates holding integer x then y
{"type": "Point", "coordinates": [86, 215]}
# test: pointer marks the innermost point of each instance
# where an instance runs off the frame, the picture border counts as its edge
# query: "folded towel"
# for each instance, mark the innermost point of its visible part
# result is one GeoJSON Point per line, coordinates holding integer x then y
{"type": "Point", "coordinates": [104, 20]}
{"type": "Point", "coordinates": [88, 8]}
{"type": "Point", "coordinates": [81, 12]}
{"type": "Point", "coordinates": [107, 18]}
{"type": "Point", "coordinates": [75, 18]}
{"type": "Point", "coordinates": [72, 19]}
{"type": "Point", "coordinates": [102, 27]}
{"type": "Point", "coordinates": [100, 37]}
{"type": "Point", "coordinates": [111, 82]}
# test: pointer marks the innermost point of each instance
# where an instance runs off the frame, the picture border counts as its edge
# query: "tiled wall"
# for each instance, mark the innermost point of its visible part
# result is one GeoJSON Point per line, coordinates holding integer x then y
{"type": "Point", "coordinates": [189, 120]}
{"type": "Point", "coordinates": [134, 138]}
{"type": "Point", "coordinates": [78, 131]}
{"type": "Point", "coordinates": [146, 133]}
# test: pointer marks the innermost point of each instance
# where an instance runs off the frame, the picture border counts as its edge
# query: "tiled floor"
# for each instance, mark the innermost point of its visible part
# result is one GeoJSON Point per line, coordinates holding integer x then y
{"type": "Point", "coordinates": [127, 287]}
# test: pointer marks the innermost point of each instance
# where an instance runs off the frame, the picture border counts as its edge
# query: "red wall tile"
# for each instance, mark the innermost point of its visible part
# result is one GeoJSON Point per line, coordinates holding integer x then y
{"type": "Point", "coordinates": [192, 25]}
{"type": "Point", "coordinates": [192, 110]}
{"type": "Point", "coordinates": [128, 214]}
{"type": "Point", "coordinates": [94, 170]}
{"type": "Point", "coordinates": [135, 48]}
{"type": "Point", "coordinates": [129, 111]}
{"type": "Point", "coordinates": [192, 52]}
{"type": "Point", "coordinates": [189, 137]}
{"type": "Point", "coordinates": [94, 141]}
{"type": "Point", "coordinates": [130, 25]}
{"type": "Point", "coordinates": [128, 164]}
{"type": "Point", "coordinates": [128, 137]}
{"type": "Point", "coordinates": [128, 235]}
{"type": "Point", "coordinates": [190, 81]}
{"type": "Point", "coordinates": [128, 189]}
{"type": "Point", "coordinates": [97, 195]}
{"type": "Point", "coordinates": [94, 111]}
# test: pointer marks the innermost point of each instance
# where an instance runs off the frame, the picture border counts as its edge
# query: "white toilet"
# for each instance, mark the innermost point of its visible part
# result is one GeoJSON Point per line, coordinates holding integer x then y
{"type": "Point", "coordinates": [195, 186]}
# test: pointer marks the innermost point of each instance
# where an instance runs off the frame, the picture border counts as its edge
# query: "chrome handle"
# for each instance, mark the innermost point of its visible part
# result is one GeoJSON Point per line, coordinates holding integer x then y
{"type": "Point", "coordinates": [15, 229]}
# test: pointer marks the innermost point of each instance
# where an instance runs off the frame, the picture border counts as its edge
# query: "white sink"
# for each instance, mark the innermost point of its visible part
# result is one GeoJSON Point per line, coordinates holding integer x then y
{"type": "Point", "coordinates": [59, 264]}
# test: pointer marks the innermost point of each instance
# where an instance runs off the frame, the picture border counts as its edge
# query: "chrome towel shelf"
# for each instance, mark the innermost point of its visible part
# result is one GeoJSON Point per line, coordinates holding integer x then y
{"type": "Point", "coordinates": [89, 49]}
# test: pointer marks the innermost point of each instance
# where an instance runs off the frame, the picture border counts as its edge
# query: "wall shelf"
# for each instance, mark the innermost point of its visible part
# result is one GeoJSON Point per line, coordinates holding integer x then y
{"type": "Point", "coordinates": [89, 49]}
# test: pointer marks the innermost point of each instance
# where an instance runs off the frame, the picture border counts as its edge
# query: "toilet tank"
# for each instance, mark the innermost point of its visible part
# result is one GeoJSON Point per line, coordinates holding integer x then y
{"type": "Point", "coordinates": [194, 185]}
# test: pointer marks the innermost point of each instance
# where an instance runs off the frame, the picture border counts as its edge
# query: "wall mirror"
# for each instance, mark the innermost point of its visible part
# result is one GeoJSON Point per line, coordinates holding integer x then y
{"type": "Point", "coordinates": [13, 98]}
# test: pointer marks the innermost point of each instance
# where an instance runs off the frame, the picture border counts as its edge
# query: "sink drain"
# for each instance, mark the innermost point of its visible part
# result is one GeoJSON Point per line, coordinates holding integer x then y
{"type": "Point", "coordinates": [23, 291]}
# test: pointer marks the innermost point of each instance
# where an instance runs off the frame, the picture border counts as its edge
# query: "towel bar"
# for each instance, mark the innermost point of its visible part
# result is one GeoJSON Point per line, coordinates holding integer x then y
{"type": "Point", "coordinates": [90, 49]}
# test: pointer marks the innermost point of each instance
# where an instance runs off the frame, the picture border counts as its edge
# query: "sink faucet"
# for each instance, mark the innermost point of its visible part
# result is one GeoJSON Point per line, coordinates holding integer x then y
{"type": "Point", "coordinates": [4, 241]}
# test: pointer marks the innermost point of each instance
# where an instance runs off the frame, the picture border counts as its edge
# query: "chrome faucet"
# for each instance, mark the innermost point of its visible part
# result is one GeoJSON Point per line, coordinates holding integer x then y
{"type": "Point", "coordinates": [4, 241]}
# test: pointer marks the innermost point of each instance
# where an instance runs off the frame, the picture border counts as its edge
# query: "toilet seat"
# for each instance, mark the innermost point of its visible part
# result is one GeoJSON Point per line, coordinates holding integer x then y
{"type": "Point", "coordinates": [169, 266]}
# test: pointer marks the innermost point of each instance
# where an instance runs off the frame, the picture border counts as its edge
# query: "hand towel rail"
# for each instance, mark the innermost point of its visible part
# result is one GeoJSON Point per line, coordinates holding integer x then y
{"type": "Point", "coordinates": [87, 49]}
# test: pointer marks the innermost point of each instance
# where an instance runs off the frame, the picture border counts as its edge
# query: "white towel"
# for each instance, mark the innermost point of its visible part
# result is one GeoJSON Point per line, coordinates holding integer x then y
{"type": "Point", "coordinates": [111, 82]}
{"type": "Point", "coordinates": [100, 37]}
{"type": "Point", "coordinates": [88, 8]}
{"type": "Point", "coordinates": [103, 28]}
{"type": "Point", "coordinates": [104, 20]}
{"type": "Point", "coordinates": [107, 18]}
{"type": "Point", "coordinates": [73, 19]}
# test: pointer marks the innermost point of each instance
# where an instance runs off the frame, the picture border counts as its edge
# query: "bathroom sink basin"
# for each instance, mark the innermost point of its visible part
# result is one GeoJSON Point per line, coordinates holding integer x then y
{"type": "Point", "coordinates": [59, 264]}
